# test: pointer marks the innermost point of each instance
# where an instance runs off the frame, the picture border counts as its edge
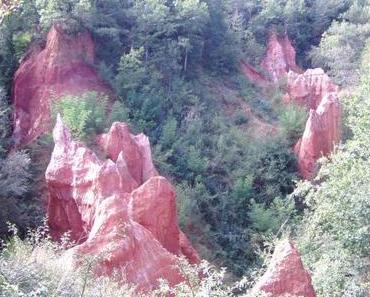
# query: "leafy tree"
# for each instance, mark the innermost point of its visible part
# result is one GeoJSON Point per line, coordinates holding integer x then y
{"type": "Point", "coordinates": [85, 115]}
{"type": "Point", "coordinates": [4, 123]}
{"type": "Point", "coordinates": [267, 220]}
{"type": "Point", "coordinates": [71, 13]}
{"type": "Point", "coordinates": [342, 44]}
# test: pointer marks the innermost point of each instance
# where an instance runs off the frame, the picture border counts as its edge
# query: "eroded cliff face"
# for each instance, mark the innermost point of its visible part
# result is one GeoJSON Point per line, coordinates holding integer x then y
{"type": "Point", "coordinates": [321, 134]}
{"type": "Point", "coordinates": [285, 275]}
{"type": "Point", "coordinates": [279, 58]}
{"type": "Point", "coordinates": [312, 89]}
{"type": "Point", "coordinates": [63, 66]}
{"type": "Point", "coordinates": [309, 88]}
{"type": "Point", "coordinates": [118, 209]}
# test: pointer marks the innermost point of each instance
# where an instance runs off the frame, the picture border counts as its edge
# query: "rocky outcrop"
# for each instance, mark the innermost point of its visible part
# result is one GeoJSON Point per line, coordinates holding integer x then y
{"type": "Point", "coordinates": [62, 66]}
{"type": "Point", "coordinates": [321, 134]}
{"type": "Point", "coordinates": [312, 89]}
{"type": "Point", "coordinates": [279, 58]}
{"type": "Point", "coordinates": [285, 275]}
{"type": "Point", "coordinates": [315, 90]}
{"type": "Point", "coordinates": [117, 209]}
{"type": "Point", "coordinates": [309, 88]}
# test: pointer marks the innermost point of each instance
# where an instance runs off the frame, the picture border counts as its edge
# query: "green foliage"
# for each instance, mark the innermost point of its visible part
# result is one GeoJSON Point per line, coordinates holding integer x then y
{"type": "Point", "coordinates": [21, 42]}
{"type": "Point", "coordinates": [242, 190]}
{"type": "Point", "coordinates": [119, 113]}
{"type": "Point", "coordinates": [4, 123]}
{"type": "Point", "coordinates": [70, 13]}
{"type": "Point", "coordinates": [342, 44]}
{"type": "Point", "coordinates": [85, 115]}
{"type": "Point", "coordinates": [336, 230]}
{"type": "Point", "coordinates": [14, 174]}
{"type": "Point", "coordinates": [169, 133]}
{"type": "Point", "coordinates": [268, 220]}
{"type": "Point", "coordinates": [221, 44]}
{"type": "Point", "coordinates": [15, 184]}
{"type": "Point", "coordinates": [293, 118]}
{"type": "Point", "coordinates": [131, 72]}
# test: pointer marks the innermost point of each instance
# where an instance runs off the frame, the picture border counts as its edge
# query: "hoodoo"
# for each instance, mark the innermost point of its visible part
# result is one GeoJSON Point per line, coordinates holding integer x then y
{"type": "Point", "coordinates": [280, 57]}
{"type": "Point", "coordinates": [320, 136]}
{"type": "Point", "coordinates": [312, 89]}
{"type": "Point", "coordinates": [118, 209]}
{"type": "Point", "coordinates": [286, 276]}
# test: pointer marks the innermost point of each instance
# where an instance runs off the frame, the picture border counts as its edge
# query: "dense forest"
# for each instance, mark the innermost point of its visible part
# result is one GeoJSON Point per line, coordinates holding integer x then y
{"type": "Point", "coordinates": [174, 69]}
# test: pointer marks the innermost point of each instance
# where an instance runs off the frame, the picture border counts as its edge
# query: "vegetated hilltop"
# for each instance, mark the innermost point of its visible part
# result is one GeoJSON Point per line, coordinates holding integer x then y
{"type": "Point", "coordinates": [173, 70]}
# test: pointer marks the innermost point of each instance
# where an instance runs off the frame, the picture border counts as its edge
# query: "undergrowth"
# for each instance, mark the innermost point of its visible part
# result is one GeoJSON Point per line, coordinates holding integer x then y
{"type": "Point", "coordinates": [39, 267]}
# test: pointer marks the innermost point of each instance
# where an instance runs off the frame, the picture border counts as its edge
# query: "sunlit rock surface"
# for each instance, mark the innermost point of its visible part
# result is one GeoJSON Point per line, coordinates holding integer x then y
{"type": "Point", "coordinates": [62, 66]}
{"type": "Point", "coordinates": [118, 209]}
{"type": "Point", "coordinates": [285, 275]}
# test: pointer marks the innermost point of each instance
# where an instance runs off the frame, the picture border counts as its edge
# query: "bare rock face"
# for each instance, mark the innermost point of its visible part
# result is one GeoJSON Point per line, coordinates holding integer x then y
{"type": "Point", "coordinates": [62, 67]}
{"type": "Point", "coordinates": [135, 150]}
{"type": "Point", "coordinates": [315, 90]}
{"type": "Point", "coordinates": [280, 57]}
{"type": "Point", "coordinates": [309, 88]}
{"type": "Point", "coordinates": [125, 249]}
{"type": "Point", "coordinates": [118, 210]}
{"type": "Point", "coordinates": [320, 136]}
{"type": "Point", "coordinates": [286, 276]}
{"type": "Point", "coordinates": [153, 206]}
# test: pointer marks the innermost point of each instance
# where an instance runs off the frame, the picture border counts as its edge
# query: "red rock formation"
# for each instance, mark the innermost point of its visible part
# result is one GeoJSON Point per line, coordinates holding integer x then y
{"type": "Point", "coordinates": [108, 209]}
{"type": "Point", "coordinates": [309, 88]}
{"type": "Point", "coordinates": [320, 136]}
{"type": "Point", "coordinates": [135, 150]}
{"type": "Point", "coordinates": [280, 57]}
{"type": "Point", "coordinates": [63, 66]}
{"type": "Point", "coordinates": [313, 89]}
{"type": "Point", "coordinates": [285, 275]}
{"type": "Point", "coordinates": [125, 249]}
{"type": "Point", "coordinates": [153, 206]}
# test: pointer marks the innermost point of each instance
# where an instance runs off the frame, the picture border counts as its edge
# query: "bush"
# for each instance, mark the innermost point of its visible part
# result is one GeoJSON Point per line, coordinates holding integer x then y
{"type": "Point", "coordinates": [85, 115]}
{"type": "Point", "coordinates": [14, 174]}
{"type": "Point", "coordinates": [36, 266]}
{"type": "Point", "coordinates": [293, 119]}
{"type": "Point", "coordinates": [268, 220]}
{"type": "Point", "coordinates": [119, 113]}
{"type": "Point", "coordinates": [15, 204]}
{"type": "Point", "coordinates": [4, 123]}
{"type": "Point", "coordinates": [21, 42]}
{"type": "Point", "coordinates": [39, 267]}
